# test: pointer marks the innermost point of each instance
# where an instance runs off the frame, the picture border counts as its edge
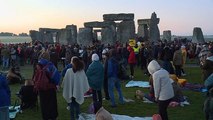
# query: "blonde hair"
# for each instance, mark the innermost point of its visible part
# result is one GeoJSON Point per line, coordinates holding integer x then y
{"type": "Point", "coordinates": [28, 82]}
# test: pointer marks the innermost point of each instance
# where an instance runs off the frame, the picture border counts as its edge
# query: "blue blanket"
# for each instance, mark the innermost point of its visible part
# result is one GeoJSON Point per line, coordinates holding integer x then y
{"type": "Point", "coordinates": [12, 114]}
{"type": "Point", "coordinates": [138, 84]}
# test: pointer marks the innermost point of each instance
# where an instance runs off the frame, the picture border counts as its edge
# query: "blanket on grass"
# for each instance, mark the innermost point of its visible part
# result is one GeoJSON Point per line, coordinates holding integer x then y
{"type": "Point", "coordinates": [85, 116]}
{"type": "Point", "coordinates": [13, 111]}
{"type": "Point", "coordinates": [194, 87]}
{"type": "Point", "coordinates": [143, 84]}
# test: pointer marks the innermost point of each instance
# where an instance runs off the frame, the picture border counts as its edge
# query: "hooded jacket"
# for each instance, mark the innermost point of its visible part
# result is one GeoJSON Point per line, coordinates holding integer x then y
{"type": "Point", "coordinates": [207, 67]}
{"type": "Point", "coordinates": [95, 73]}
{"type": "Point", "coordinates": [162, 85]}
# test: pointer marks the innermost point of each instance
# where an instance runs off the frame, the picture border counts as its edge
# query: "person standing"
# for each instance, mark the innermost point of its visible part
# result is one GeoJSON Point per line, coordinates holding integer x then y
{"type": "Point", "coordinates": [105, 57]}
{"type": "Point", "coordinates": [95, 75]}
{"type": "Point", "coordinates": [5, 52]}
{"type": "Point", "coordinates": [46, 90]}
{"type": "Point", "coordinates": [75, 84]}
{"type": "Point", "coordinates": [163, 89]}
{"type": "Point", "coordinates": [131, 61]}
{"type": "Point", "coordinates": [113, 80]}
{"type": "Point", "coordinates": [178, 61]}
{"type": "Point", "coordinates": [5, 98]}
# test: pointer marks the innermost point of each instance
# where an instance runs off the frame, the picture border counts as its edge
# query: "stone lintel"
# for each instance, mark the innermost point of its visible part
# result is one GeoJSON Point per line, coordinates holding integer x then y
{"type": "Point", "coordinates": [96, 24]}
{"type": "Point", "coordinates": [120, 16]}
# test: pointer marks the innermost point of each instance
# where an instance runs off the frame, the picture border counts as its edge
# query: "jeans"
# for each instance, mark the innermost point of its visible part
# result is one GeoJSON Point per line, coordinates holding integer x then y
{"type": "Point", "coordinates": [74, 109]}
{"type": "Point", "coordinates": [5, 62]}
{"type": "Point", "coordinates": [4, 113]}
{"type": "Point", "coordinates": [114, 82]}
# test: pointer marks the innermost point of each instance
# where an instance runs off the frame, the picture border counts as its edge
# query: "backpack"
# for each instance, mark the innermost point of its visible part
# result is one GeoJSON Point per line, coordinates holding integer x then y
{"type": "Point", "coordinates": [55, 75]}
{"type": "Point", "coordinates": [41, 79]}
{"type": "Point", "coordinates": [156, 117]}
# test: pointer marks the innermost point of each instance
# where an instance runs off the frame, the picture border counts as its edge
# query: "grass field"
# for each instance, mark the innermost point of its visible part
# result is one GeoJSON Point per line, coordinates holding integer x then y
{"type": "Point", "coordinates": [137, 108]}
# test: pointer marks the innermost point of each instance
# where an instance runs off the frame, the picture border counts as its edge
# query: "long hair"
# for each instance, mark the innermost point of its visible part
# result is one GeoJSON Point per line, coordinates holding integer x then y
{"type": "Point", "coordinates": [77, 64]}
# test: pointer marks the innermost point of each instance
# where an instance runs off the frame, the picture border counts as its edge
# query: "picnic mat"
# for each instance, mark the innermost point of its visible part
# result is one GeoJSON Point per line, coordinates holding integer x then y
{"type": "Point", "coordinates": [132, 83]}
{"type": "Point", "coordinates": [13, 113]}
{"type": "Point", "coordinates": [84, 116]}
{"type": "Point", "coordinates": [194, 87]}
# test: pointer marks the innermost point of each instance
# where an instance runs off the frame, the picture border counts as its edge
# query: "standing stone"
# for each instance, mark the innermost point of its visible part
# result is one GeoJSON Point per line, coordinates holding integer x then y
{"type": "Point", "coordinates": [48, 38]}
{"type": "Point", "coordinates": [35, 35]}
{"type": "Point", "coordinates": [63, 36]}
{"type": "Point", "coordinates": [154, 30]}
{"type": "Point", "coordinates": [198, 35]}
{"type": "Point", "coordinates": [167, 35]}
{"type": "Point", "coordinates": [143, 28]}
{"type": "Point", "coordinates": [126, 31]}
{"type": "Point", "coordinates": [73, 36]}
{"type": "Point", "coordinates": [108, 35]}
{"type": "Point", "coordinates": [85, 36]}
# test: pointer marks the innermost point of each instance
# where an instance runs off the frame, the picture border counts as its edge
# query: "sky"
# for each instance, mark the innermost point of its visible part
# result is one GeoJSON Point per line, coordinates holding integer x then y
{"type": "Point", "coordinates": [179, 16]}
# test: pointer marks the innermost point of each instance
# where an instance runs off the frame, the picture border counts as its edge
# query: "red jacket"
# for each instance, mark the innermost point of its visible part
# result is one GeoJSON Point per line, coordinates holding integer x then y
{"type": "Point", "coordinates": [131, 58]}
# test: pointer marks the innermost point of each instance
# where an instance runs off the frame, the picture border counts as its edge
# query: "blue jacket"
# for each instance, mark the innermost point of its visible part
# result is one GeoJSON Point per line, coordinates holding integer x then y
{"type": "Point", "coordinates": [95, 75]}
{"type": "Point", "coordinates": [112, 70]}
{"type": "Point", "coordinates": [4, 92]}
{"type": "Point", "coordinates": [65, 69]}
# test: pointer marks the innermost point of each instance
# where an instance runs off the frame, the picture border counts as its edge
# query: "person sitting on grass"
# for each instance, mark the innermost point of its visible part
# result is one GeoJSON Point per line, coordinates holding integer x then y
{"type": "Point", "coordinates": [102, 114]}
{"type": "Point", "coordinates": [14, 75]}
{"type": "Point", "coordinates": [27, 95]}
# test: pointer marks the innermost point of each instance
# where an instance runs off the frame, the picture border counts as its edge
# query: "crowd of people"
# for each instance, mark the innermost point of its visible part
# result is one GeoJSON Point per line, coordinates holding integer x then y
{"type": "Point", "coordinates": [96, 68]}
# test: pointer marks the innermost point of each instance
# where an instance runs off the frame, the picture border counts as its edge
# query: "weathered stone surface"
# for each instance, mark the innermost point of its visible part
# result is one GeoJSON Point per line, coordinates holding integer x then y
{"type": "Point", "coordinates": [116, 17]}
{"type": "Point", "coordinates": [108, 35]}
{"type": "Point", "coordinates": [167, 35]}
{"type": "Point", "coordinates": [73, 36]}
{"type": "Point", "coordinates": [198, 35]}
{"type": "Point", "coordinates": [64, 36]}
{"type": "Point", "coordinates": [126, 31]}
{"type": "Point", "coordinates": [47, 34]}
{"type": "Point", "coordinates": [154, 30]}
{"type": "Point", "coordinates": [85, 36]}
{"type": "Point", "coordinates": [144, 21]}
{"type": "Point", "coordinates": [97, 24]}
{"type": "Point", "coordinates": [35, 35]}
{"type": "Point", "coordinates": [143, 31]}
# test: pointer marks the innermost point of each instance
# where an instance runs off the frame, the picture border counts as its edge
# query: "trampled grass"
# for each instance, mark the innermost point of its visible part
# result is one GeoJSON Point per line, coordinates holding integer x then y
{"type": "Point", "coordinates": [137, 108]}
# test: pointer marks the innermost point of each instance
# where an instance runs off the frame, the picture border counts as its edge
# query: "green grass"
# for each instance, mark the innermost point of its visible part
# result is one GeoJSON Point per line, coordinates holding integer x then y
{"type": "Point", "coordinates": [138, 108]}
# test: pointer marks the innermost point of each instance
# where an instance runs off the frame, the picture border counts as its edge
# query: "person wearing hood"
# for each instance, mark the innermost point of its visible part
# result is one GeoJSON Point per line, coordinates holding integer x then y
{"type": "Point", "coordinates": [163, 89]}
{"type": "Point", "coordinates": [95, 75]}
{"type": "Point", "coordinates": [207, 65]}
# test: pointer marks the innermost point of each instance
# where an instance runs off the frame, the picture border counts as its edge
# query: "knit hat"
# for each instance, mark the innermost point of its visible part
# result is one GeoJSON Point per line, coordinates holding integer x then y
{"type": "Point", "coordinates": [95, 57]}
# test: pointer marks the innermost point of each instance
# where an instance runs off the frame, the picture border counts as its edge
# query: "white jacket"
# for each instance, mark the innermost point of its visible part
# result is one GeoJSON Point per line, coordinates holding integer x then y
{"type": "Point", "coordinates": [75, 85]}
{"type": "Point", "coordinates": [162, 84]}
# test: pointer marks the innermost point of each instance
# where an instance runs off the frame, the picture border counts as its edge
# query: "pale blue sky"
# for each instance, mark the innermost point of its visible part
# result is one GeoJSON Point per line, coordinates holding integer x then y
{"type": "Point", "coordinates": [179, 16]}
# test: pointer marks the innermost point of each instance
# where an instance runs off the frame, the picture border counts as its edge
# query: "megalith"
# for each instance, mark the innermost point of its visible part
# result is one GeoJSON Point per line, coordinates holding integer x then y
{"type": "Point", "coordinates": [198, 35]}
{"type": "Point", "coordinates": [167, 35]}
{"type": "Point", "coordinates": [85, 36]}
{"type": "Point", "coordinates": [154, 30]}
{"type": "Point", "coordinates": [126, 31]}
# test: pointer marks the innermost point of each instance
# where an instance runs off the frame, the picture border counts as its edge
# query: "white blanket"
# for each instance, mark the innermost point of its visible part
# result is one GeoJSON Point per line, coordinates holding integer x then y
{"type": "Point", "coordinates": [85, 116]}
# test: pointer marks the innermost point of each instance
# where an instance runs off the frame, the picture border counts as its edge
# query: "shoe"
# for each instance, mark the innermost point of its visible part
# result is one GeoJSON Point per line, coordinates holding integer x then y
{"type": "Point", "coordinates": [186, 103]}
{"type": "Point", "coordinates": [181, 104]}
